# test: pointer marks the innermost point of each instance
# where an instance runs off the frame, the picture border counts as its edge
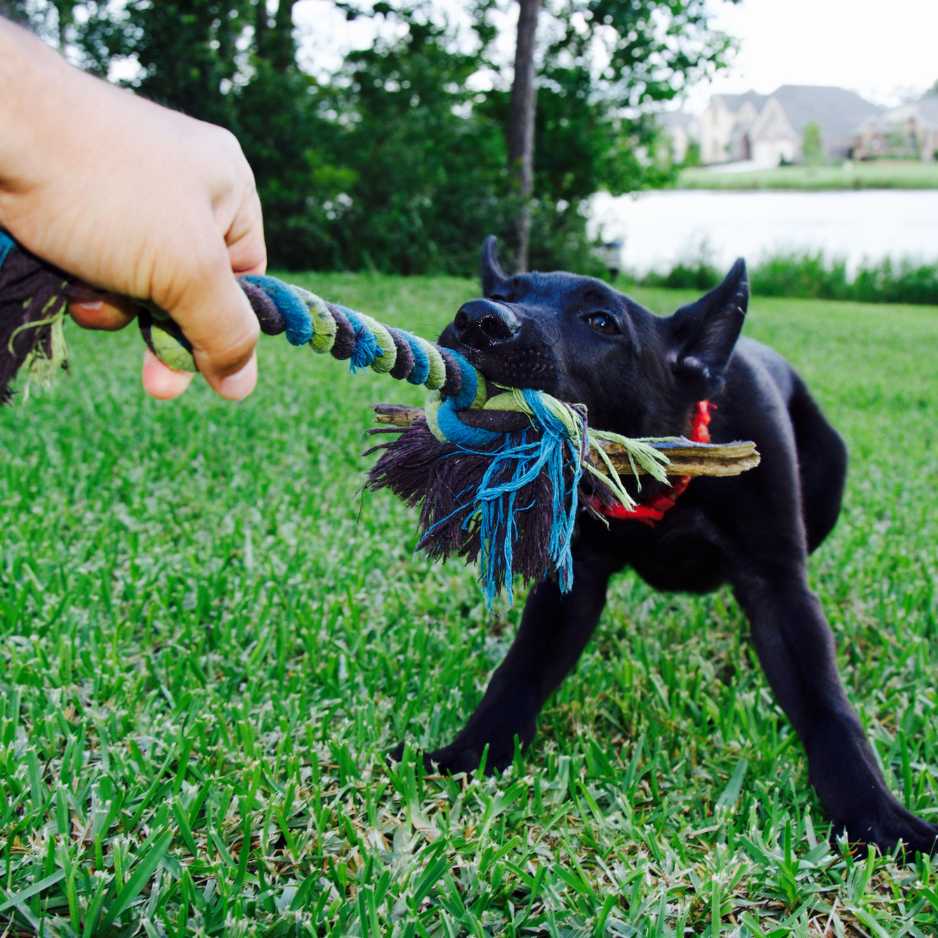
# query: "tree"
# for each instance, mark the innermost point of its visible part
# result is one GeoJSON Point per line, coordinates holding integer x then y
{"type": "Point", "coordinates": [812, 146]}
{"type": "Point", "coordinates": [605, 67]}
{"type": "Point", "coordinates": [403, 159]}
{"type": "Point", "coordinates": [51, 19]}
{"type": "Point", "coordinates": [692, 154]}
{"type": "Point", "coordinates": [521, 124]}
{"type": "Point", "coordinates": [187, 54]}
{"type": "Point", "coordinates": [430, 164]}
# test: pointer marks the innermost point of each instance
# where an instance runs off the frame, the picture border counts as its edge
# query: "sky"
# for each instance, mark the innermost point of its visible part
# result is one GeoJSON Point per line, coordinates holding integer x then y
{"type": "Point", "coordinates": [885, 50]}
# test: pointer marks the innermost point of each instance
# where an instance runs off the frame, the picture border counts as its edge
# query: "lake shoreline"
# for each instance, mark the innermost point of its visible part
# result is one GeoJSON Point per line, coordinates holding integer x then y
{"type": "Point", "coordinates": [906, 175]}
{"type": "Point", "coordinates": [663, 227]}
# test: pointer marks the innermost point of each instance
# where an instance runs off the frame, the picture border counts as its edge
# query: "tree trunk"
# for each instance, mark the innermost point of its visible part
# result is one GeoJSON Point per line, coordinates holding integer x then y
{"type": "Point", "coordinates": [283, 43]}
{"type": "Point", "coordinates": [521, 124]}
{"type": "Point", "coordinates": [261, 28]}
{"type": "Point", "coordinates": [65, 11]}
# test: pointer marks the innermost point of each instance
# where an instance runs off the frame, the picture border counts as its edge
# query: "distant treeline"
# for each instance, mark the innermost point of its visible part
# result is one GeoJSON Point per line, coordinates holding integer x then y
{"type": "Point", "coordinates": [814, 275]}
{"type": "Point", "coordinates": [395, 158]}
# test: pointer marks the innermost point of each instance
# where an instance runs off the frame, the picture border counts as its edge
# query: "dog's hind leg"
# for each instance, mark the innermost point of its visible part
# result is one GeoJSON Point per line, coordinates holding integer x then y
{"type": "Point", "coordinates": [822, 464]}
{"type": "Point", "coordinates": [555, 628]}
{"type": "Point", "coordinates": [796, 650]}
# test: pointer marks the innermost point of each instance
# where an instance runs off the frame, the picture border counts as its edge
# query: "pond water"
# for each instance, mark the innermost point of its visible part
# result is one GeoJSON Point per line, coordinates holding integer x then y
{"type": "Point", "coordinates": [660, 228]}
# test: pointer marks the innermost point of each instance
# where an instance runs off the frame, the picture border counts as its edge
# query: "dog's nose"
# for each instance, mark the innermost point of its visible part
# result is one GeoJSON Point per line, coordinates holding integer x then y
{"type": "Point", "coordinates": [483, 323]}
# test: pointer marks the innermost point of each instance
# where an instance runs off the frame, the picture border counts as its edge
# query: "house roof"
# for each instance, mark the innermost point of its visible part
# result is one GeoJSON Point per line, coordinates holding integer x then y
{"type": "Point", "coordinates": [924, 111]}
{"type": "Point", "coordinates": [928, 108]}
{"type": "Point", "coordinates": [735, 101]}
{"type": "Point", "coordinates": [837, 111]}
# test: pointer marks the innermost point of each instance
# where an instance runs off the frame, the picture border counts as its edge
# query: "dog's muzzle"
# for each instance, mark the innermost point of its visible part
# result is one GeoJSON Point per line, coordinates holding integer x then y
{"type": "Point", "coordinates": [482, 324]}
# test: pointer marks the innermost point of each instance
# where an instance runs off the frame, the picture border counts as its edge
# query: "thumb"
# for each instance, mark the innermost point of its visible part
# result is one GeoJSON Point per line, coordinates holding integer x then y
{"type": "Point", "coordinates": [218, 321]}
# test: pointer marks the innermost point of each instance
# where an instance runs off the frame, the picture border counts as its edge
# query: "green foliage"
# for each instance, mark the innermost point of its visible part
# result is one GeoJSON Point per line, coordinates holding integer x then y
{"type": "Point", "coordinates": [812, 274]}
{"type": "Point", "coordinates": [652, 50]}
{"type": "Point", "coordinates": [428, 164]}
{"type": "Point", "coordinates": [187, 54]}
{"type": "Point", "coordinates": [812, 147]}
{"type": "Point", "coordinates": [300, 177]}
{"type": "Point", "coordinates": [692, 155]}
{"type": "Point", "coordinates": [209, 638]}
{"type": "Point", "coordinates": [699, 274]}
{"type": "Point", "coordinates": [394, 162]}
{"type": "Point", "coordinates": [902, 281]}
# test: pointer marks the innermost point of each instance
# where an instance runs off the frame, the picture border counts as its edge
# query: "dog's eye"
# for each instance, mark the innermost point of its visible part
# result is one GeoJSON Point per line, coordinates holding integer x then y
{"type": "Point", "coordinates": [603, 323]}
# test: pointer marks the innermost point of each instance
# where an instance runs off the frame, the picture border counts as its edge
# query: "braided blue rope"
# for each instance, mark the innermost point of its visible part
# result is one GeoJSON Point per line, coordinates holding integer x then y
{"type": "Point", "coordinates": [462, 434]}
{"type": "Point", "coordinates": [468, 383]}
{"type": "Point", "coordinates": [299, 325]}
{"type": "Point", "coordinates": [6, 246]}
{"type": "Point", "coordinates": [421, 370]}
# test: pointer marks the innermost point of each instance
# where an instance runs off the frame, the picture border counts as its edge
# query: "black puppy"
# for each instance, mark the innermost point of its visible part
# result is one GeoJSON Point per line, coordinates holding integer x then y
{"type": "Point", "coordinates": [641, 375]}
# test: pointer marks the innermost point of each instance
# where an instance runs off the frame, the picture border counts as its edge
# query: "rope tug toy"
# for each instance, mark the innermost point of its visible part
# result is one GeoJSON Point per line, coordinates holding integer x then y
{"type": "Point", "coordinates": [498, 473]}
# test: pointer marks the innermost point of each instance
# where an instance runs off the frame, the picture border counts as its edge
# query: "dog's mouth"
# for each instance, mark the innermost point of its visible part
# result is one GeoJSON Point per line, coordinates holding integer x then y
{"type": "Point", "coordinates": [494, 374]}
{"type": "Point", "coordinates": [506, 365]}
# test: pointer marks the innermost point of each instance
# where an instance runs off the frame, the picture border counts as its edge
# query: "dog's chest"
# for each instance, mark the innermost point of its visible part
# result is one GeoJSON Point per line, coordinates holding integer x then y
{"type": "Point", "coordinates": [679, 553]}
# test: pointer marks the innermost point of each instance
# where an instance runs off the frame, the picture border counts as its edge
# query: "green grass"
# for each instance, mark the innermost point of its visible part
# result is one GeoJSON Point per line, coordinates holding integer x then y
{"type": "Point", "coordinates": [882, 174]}
{"type": "Point", "coordinates": [209, 638]}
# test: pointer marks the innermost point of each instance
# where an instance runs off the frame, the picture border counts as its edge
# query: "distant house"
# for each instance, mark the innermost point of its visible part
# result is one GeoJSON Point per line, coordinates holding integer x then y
{"type": "Point", "coordinates": [768, 129]}
{"type": "Point", "coordinates": [725, 127]}
{"type": "Point", "coordinates": [909, 131]}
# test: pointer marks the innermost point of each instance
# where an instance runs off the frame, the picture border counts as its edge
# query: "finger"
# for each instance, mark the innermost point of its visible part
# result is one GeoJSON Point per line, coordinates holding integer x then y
{"type": "Point", "coordinates": [218, 321]}
{"type": "Point", "coordinates": [162, 382]}
{"type": "Point", "coordinates": [107, 312]}
{"type": "Point", "coordinates": [247, 250]}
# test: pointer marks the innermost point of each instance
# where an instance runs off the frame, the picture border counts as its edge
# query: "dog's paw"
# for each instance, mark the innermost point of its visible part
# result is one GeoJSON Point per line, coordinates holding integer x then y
{"type": "Point", "coordinates": [462, 757]}
{"type": "Point", "coordinates": [890, 825]}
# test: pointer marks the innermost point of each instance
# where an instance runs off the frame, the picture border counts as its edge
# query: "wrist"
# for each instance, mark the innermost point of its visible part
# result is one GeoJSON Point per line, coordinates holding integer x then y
{"type": "Point", "coordinates": [35, 79]}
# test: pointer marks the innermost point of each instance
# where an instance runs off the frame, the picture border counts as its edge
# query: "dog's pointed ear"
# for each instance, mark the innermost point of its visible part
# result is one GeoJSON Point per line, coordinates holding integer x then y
{"type": "Point", "coordinates": [492, 274]}
{"type": "Point", "coordinates": [702, 335]}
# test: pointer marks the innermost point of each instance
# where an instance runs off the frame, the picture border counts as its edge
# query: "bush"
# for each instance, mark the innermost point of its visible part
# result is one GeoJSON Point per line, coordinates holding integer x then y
{"type": "Point", "coordinates": [814, 275]}
{"type": "Point", "coordinates": [808, 274]}
{"type": "Point", "coordinates": [684, 275]}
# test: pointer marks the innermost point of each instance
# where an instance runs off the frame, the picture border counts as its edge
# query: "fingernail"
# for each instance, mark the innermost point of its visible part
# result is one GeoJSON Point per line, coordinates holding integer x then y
{"type": "Point", "coordinates": [86, 297]}
{"type": "Point", "coordinates": [238, 386]}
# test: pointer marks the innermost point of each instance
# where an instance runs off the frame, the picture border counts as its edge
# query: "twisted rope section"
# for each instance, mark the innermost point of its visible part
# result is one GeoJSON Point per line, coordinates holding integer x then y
{"type": "Point", "coordinates": [306, 319]}
{"type": "Point", "coordinates": [549, 456]}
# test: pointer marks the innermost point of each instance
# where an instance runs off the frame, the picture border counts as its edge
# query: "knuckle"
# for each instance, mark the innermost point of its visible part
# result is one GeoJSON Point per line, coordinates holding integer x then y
{"type": "Point", "coordinates": [232, 349]}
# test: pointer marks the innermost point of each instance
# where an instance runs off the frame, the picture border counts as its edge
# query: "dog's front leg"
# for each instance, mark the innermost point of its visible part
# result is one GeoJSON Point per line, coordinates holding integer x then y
{"type": "Point", "coordinates": [555, 628]}
{"type": "Point", "coordinates": [796, 649]}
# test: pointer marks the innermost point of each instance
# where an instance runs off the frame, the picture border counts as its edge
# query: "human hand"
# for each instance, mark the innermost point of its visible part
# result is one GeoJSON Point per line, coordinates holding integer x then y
{"type": "Point", "coordinates": [137, 202]}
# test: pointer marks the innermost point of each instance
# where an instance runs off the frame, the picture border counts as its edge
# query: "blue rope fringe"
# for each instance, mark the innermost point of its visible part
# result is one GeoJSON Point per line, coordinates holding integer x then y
{"type": "Point", "coordinates": [6, 246]}
{"type": "Point", "coordinates": [366, 345]}
{"type": "Point", "coordinates": [515, 464]}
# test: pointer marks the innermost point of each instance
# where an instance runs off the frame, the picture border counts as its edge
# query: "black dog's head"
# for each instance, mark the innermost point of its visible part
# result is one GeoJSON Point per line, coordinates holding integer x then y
{"type": "Point", "coordinates": [584, 342]}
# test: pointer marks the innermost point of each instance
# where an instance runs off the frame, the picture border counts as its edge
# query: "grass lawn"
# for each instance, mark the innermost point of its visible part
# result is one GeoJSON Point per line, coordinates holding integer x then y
{"type": "Point", "coordinates": [209, 638]}
{"type": "Point", "coordinates": [884, 174]}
